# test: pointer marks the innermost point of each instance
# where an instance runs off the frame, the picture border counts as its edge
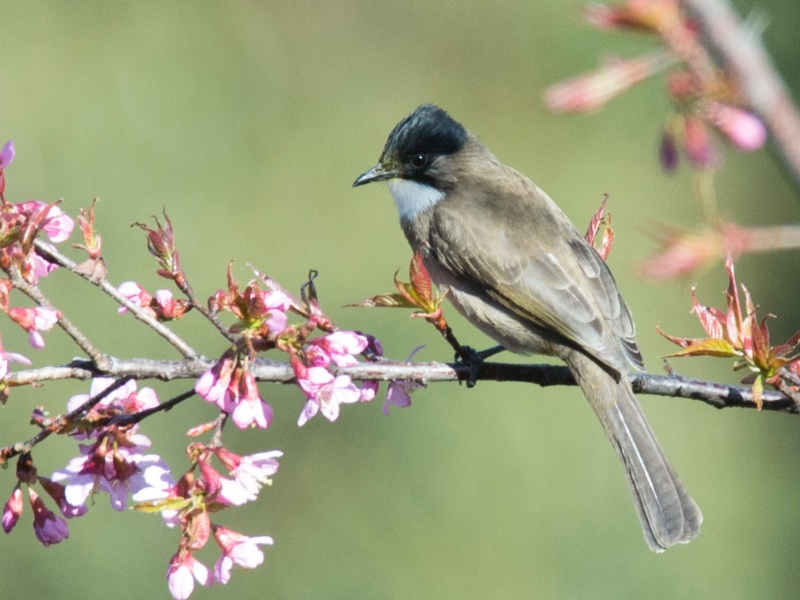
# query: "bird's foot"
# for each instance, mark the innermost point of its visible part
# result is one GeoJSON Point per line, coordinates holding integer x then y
{"type": "Point", "coordinates": [474, 359]}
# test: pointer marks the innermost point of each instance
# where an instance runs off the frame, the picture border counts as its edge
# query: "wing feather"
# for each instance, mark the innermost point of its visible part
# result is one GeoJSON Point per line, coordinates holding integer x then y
{"type": "Point", "coordinates": [542, 270]}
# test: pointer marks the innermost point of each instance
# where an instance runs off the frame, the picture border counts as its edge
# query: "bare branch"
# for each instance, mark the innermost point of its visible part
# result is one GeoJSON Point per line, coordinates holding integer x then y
{"type": "Point", "coordinates": [54, 256]}
{"type": "Point", "coordinates": [715, 394]}
{"type": "Point", "coordinates": [35, 294]}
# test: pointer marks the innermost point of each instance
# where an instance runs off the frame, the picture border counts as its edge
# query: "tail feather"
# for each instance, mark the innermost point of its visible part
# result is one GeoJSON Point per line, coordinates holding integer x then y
{"type": "Point", "coordinates": [667, 513]}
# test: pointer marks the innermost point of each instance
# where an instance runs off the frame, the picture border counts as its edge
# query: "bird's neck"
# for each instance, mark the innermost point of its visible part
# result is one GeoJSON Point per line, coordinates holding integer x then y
{"type": "Point", "coordinates": [413, 198]}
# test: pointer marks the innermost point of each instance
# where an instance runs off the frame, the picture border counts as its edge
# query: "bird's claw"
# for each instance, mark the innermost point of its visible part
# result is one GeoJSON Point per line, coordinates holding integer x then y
{"type": "Point", "coordinates": [474, 359]}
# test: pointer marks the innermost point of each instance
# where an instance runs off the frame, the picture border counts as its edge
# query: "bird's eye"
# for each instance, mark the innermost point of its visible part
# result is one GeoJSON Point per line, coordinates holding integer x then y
{"type": "Point", "coordinates": [419, 160]}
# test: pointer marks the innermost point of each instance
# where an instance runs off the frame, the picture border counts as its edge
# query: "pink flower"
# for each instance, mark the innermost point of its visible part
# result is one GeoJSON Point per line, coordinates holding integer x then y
{"type": "Point", "coordinates": [7, 357]}
{"type": "Point", "coordinates": [213, 384]}
{"type": "Point", "coordinates": [277, 303]}
{"type": "Point", "coordinates": [168, 307]}
{"type": "Point", "coordinates": [234, 390]}
{"type": "Point", "coordinates": [164, 306]}
{"type": "Point", "coordinates": [125, 398]}
{"type": "Point", "coordinates": [325, 394]}
{"type": "Point", "coordinates": [183, 570]}
{"type": "Point", "coordinates": [12, 510]}
{"type": "Point", "coordinates": [49, 528]}
{"type": "Point", "coordinates": [399, 394]}
{"type": "Point", "coordinates": [57, 226]}
{"type": "Point", "coordinates": [342, 345]}
{"type": "Point", "coordinates": [58, 493]}
{"type": "Point", "coordinates": [135, 293]}
{"type": "Point", "coordinates": [40, 267]}
{"type": "Point", "coordinates": [744, 130]}
{"type": "Point", "coordinates": [250, 472]}
{"type": "Point", "coordinates": [34, 320]}
{"type": "Point", "coordinates": [250, 409]}
{"type": "Point", "coordinates": [368, 390]}
{"type": "Point", "coordinates": [146, 477]}
{"type": "Point", "coordinates": [7, 154]}
{"type": "Point", "coordinates": [237, 549]}
{"type": "Point", "coordinates": [115, 465]}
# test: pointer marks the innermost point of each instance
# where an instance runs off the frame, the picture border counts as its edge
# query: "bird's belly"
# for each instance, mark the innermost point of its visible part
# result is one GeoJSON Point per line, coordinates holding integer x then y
{"type": "Point", "coordinates": [516, 335]}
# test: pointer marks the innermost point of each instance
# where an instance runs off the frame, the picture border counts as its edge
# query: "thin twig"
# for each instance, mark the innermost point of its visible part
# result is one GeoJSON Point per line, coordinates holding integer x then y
{"type": "Point", "coordinates": [188, 291]}
{"type": "Point", "coordinates": [54, 256]}
{"type": "Point", "coordinates": [56, 424]}
{"type": "Point", "coordinates": [35, 294]}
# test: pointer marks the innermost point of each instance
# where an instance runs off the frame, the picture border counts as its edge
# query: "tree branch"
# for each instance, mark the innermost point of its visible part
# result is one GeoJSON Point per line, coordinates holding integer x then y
{"type": "Point", "coordinates": [717, 395]}
{"type": "Point", "coordinates": [745, 58]}
{"type": "Point", "coordinates": [49, 252]}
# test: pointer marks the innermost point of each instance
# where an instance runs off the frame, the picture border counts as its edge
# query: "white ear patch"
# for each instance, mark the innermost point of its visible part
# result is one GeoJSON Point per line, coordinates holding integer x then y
{"type": "Point", "coordinates": [412, 198]}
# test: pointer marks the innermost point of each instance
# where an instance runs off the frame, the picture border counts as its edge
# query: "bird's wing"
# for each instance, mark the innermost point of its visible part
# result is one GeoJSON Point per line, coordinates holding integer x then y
{"type": "Point", "coordinates": [542, 269]}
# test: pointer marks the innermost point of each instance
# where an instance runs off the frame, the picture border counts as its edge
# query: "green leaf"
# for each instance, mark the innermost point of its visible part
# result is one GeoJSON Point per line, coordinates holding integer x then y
{"type": "Point", "coordinates": [707, 347]}
{"type": "Point", "coordinates": [385, 301]}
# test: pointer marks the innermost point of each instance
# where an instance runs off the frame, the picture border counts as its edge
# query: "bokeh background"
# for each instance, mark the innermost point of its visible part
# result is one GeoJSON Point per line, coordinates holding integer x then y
{"type": "Point", "coordinates": [248, 122]}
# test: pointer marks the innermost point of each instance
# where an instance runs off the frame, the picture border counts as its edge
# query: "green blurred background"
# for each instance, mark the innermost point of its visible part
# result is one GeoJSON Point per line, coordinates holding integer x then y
{"type": "Point", "coordinates": [248, 122]}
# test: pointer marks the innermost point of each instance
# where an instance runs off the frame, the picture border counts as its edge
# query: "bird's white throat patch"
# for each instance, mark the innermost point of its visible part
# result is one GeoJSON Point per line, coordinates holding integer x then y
{"type": "Point", "coordinates": [412, 198]}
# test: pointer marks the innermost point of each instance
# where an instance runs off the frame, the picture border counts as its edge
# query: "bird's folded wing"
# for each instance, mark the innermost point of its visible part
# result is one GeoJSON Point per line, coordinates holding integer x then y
{"type": "Point", "coordinates": [542, 270]}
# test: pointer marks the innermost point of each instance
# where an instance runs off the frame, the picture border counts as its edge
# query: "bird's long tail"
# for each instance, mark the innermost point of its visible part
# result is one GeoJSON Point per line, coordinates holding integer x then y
{"type": "Point", "coordinates": [667, 513]}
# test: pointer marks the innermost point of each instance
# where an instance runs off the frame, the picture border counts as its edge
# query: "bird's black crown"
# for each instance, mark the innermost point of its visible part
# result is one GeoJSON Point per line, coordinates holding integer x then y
{"type": "Point", "coordinates": [428, 130]}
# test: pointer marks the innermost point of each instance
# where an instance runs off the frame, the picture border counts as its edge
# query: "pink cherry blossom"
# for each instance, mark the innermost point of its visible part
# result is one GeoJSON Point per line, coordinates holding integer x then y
{"type": "Point", "coordinates": [744, 130]}
{"type": "Point", "coordinates": [399, 394]}
{"type": "Point", "coordinates": [58, 493]}
{"type": "Point", "coordinates": [234, 390]}
{"type": "Point", "coordinates": [123, 471]}
{"type": "Point", "coordinates": [254, 471]}
{"type": "Point", "coordinates": [277, 303]}
{"type": "Point", "coordinates": [35, 319]}
{"type": "Point", "coordinates": [125, 398]}
{"type": "Point", "coordinates": [249, 408]}
{"type": "Point", "coordinates": [325, 393]}
{"type": "Point", "coordinates": [40, 267]}
{"type": "Point", "coordinates": [182, 572]}
{"type": "Point", "coordinates": [341, 346]}
{"type": "Point", "coordinates": [7, 357]}
{"type": "Point", "coordinates": [7, 154]}
{"type": "Point", "coordinates": [49, 528]}
{"type": "Point", "coordinates": [12, 509]}
{"type": "Point", "coordinates": [237, 549]}
{"type": "Point", "coordinates": [368, 390]}
{"type": "Point", "coordinates": [135, 293]}
{"type": "Point", "coordinates": [213, 384]}
{"type": "Point", "coordinates": [58, 226]}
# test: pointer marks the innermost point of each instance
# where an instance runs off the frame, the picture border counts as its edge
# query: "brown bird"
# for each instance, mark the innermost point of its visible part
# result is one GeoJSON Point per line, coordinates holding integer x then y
{"type": "Point", "coordinates": [513, 264]}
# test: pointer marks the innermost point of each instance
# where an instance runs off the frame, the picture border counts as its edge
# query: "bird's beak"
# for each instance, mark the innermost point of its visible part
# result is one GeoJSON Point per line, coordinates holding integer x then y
{"type": "Point", "coordinates": [377, 173]}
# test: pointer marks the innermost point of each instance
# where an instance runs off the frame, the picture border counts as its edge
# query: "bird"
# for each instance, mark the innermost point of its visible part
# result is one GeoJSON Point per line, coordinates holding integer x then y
{"type": "Point", "coordinates": [512, 263]}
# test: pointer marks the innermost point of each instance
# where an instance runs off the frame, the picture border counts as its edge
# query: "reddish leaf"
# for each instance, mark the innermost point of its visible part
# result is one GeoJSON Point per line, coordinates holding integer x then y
{"type": "Point", "coordinates": [734, 316]}
{"type": "Point", "coordinates": [682, 342]}
{"type": "Point", "coordinates": [761, 350]}
{"type": "Point", "coordinates": [599, 219]}
{"type": "Point", "coordinates": [406, 291]}
{"type": "Point", "coordinates": [420, 278]}
{"type": "Point", "coordinates": [712, 319]}
{"type": "Point", "coordinates": [596, 221]}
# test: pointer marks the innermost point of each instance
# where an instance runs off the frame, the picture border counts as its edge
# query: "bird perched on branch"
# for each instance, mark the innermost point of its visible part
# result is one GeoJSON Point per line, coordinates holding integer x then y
{"type": "Point", "coordinates": [513, 264]}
